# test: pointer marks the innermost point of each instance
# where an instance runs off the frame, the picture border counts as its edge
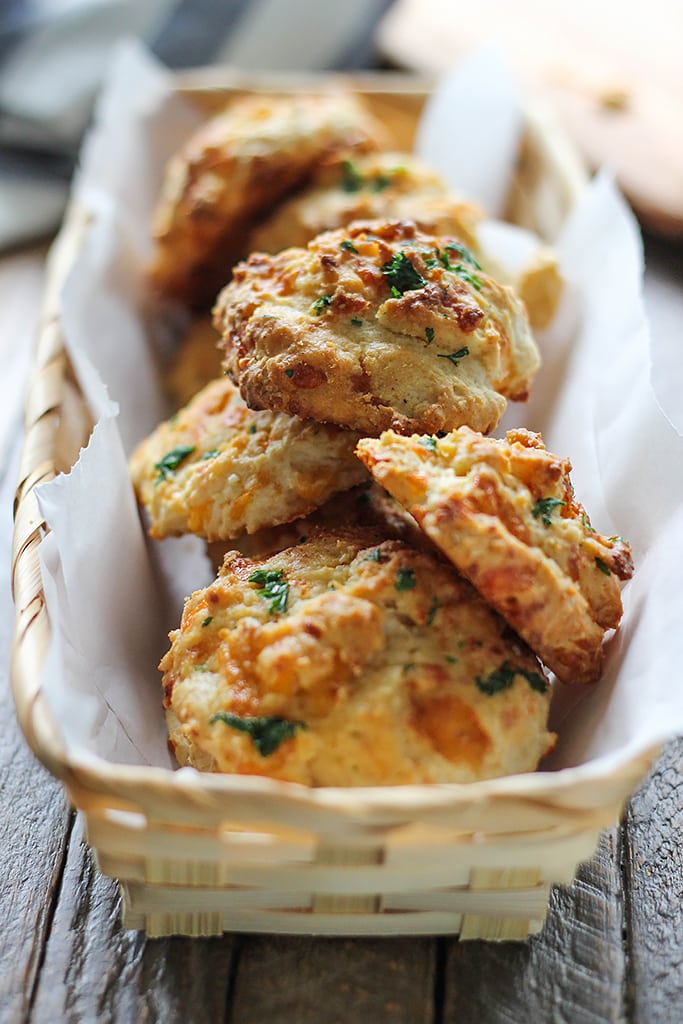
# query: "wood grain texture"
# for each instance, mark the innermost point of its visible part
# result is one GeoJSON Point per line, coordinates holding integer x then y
{"type": "Point", "coordinates": [297, 980]}
{"type": "Point", "coordinates": [572, 971]}
{"type": "Point", "coordinates": [653, 867]}
{"type": "Point", "coordinates": [95, 971]}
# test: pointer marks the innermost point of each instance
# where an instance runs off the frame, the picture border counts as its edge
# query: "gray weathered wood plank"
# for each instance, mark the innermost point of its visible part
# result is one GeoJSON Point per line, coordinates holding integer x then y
{"type": "Point", "coordinates": [573, 971]}
{"type": "Point", "coordinates": [95, 971]}
{"type": "Point", "coordinates": [302, 980]}
{"type": "Point", "coordinates": [653, 867]}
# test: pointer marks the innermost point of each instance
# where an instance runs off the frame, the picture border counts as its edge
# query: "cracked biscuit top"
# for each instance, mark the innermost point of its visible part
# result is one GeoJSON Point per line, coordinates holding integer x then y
{"type": "Point", "coordinates": [350, 660]}
{"type": "Point", "coordinates": [374, 326]}
{"type": "Point", "coordinates": [504, 513]}
{"type": "Point", "coordinates": [235, 168]}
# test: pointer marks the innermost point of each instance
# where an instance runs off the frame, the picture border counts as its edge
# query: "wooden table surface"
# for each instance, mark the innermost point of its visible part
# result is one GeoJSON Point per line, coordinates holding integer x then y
{"type": "Point", "coordinates": [611, 950]}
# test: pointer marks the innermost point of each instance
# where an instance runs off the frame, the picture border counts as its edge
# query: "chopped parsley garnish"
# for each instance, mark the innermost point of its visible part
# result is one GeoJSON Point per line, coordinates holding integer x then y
{"type": "Point", "coordinates": [543, 508]}
{"type": "Point", "coordinates": [321, 304]}
{"type": "Point", "coordinates": [208, 620]}
{"type": "Point", "coordinates": [503, 677]}
{"type": "Point", "coordinates": [273, 587]}
{"type": "Point", "coordinates": [166, 467]}
{"type": "Point", "coordinates": [433, 608]}
{"type": "Point", "coordinates": [289, 373]}
{"type": "Point", "coordinates": [429, 334]}
{"type": "Point", "coordinates": [348, 245]}
{"type": "Point", "coordinates": [401, 275]}
{"type": "Point", "coordinates": [268, 316]}
{"type": "Point", "coordinates": [356, 321]}
{"type": "Point", "coordinates": [455, 357]}
{"type": "Point", "coordinates": [409, 666]}
{"type": "Point", "coordinates": [211, 454]}
{"type": "Point", "coordinates": [603, 566]}
{"type": "Point", "coordinates": [252, 429]}
{"type": "Point", "coordinates": [405, 579]}
{"type": "Point", "coordinates": [374, 557]}
{"type": "Point", "coordinates": [429, 443]}
{"type": "Point", "coordinates": [352, 179]}
{"type": "Point", "coordinates": [267, 732]}
{"type": "Point", "coordinates": [451, 660]}
{"type": "Point", "coordinates": [380, 182]}
{"type": "Point", "coordinates": [585, 523]}
{"type": "Point", "coordinates": [464, 254]}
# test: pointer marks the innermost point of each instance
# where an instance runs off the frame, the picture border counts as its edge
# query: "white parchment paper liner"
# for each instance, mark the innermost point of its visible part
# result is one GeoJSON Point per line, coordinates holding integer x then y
{"type": "Point", "coordinates": [110, 606]}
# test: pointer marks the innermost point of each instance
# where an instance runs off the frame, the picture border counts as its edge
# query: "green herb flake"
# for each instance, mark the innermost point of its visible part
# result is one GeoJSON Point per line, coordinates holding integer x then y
{"type": "Point", "coordinates": [500, 679]}
{"type": "Point", "coordinates": [433, 608]}
{"type": "Point", "coordinates": [352, 179]}
{"type": "Point", "coordinates": [409, 667]}
{"type": "Point", "coordinates": [465, 274]}
{"type": "Point", "coordinates": [464, 254]}
{"type": "Point", "coordinates": [429, 443]}
{"type": "Point", "coordinates": [429, 334]}
{"type": "Point", "coordinates": [208, 620]}
{"type": "Point", "coordinates": [603, 566]}
{"type": "Point", "coordinates": [252, 429]}
{"type": "Point", "coordinates": [543, 509]}
{"type": "Point", "coordinates": [268, 316]}
{"type": "Point", "coordinates": [405, 579]}
{"type": "Point", "coordinates": [321, 304]}
{"type": "Point", "coordinates": [356, 321]}
{"type": "Point", "coordinates": [211, 454]}
{"type": "Point", "coordinates": [266, 732]}
{"type": "Point", "coordinates": [455, 357]}
{"type": "Point", "coordinates": [166, 466]}
{"type": "Point", "coordinates": [503, 677]}
{"type": "Point", "coordinates": [401, 275]}
{"type": "Point", "coordinates": [348, 246]}
{"type": "Point", "coordinates": [451, 660]}
{"type": "Point", "coordinates": [380, 182]}
{"type": "Point", "coordinates": [374, 557]}
{"type": "Point", "coordinates": [273, 587]}
{"type": "Point", "coordinates": [289, 373]}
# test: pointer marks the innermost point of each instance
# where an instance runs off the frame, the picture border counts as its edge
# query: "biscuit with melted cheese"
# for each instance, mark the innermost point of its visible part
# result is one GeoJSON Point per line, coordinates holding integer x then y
{"type": "Point", "coordinates": [351, 661]}
{"type": "Point", "coordinates": [373, 326]}
{"type": "Point", "coordinates": [236, 167]}
{"type": "Point", "coordinates": [217, 469]}
{"type": "Point", "coordinates": [196, 361]}
{"type": "Point", "coordinates": [391, 186]}
{"type": "Point", "coordinates": [505, 514]}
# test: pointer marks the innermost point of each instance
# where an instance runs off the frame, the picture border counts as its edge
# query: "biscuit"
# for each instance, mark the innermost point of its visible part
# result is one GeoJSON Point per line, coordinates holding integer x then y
{"type": "Point", "coordinates": [373, 326]}
{"type": "Point", "coordinates": [505, 514]}
{"type": "Point", "coordinates": [390, 186]}
{"type": "Point", "coordinates": [351, 661]}
{"type": "Point", "coordinates": [217, 469]}
{"type": "Point", "coordinates": [196, 362]}
{"type": "Point", "coordinates": [235, 167]}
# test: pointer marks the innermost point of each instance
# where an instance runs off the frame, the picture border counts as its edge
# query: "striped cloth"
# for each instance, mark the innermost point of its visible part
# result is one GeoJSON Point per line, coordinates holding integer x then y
{"type": "Point", "coordinates": [53, 54]}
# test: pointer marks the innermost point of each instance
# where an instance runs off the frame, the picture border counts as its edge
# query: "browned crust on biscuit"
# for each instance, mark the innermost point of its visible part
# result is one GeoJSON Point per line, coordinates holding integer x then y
{"type": "Point", "coordinates": [504, 512]}
{"type": "Point", "coordinates": [330, 333]}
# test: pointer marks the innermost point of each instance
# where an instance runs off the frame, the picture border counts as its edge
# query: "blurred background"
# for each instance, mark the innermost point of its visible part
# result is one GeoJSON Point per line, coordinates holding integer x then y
{"type": "Point", "coordinates": [612, 71]}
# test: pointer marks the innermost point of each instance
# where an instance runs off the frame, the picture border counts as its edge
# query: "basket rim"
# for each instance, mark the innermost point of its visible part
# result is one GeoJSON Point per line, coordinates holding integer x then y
{"type": "Point", "coordinates": [83, 770]}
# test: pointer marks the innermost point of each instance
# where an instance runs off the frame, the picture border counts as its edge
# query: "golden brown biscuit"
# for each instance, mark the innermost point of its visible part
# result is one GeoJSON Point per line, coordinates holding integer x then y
{"type": "Point", "coordinates": [373, 326]}
{"type": "Point", "coordinates": [236, 166]}
{"type": "Point", "coordinates": [196, 362]}
{"type": "Point", "coordinates": [347, 661]}
{"type": "Point", "coordinates": [504, 512]}
{"type": "Point", "coordinates": [218, 469]}
{"type": "Point", "coordinates": [390, 186]}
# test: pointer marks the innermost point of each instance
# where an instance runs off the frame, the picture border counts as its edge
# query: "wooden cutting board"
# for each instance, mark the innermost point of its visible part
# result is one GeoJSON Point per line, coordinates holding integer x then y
{"type": "Point", "coordinates": [613, 70]}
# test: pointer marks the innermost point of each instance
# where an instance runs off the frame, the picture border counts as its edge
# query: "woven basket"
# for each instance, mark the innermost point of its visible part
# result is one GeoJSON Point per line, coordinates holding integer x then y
{"type": "Point", "coordinates": [202, 854]}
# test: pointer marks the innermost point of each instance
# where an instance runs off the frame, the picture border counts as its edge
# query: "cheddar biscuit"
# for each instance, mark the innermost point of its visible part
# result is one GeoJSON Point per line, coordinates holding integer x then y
{"type": "Point", "coordinates": [348, 661]}
{"type": "Point", "coordinates": [235, 167]}
{"type": "Point", "coordinates": [196, 362]}
{"type": "Point", "coordinates": [505, 514]}
{"type": "Point", "coordinates": [217, 469]}
{"type": "Point", "coordinates": [373, 326]}
{"type": "Point", "coordinates": [390, 186]}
